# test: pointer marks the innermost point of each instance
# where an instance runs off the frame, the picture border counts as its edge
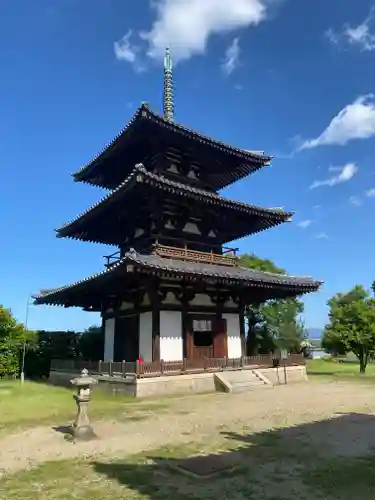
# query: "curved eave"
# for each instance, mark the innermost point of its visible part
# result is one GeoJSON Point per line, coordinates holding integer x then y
{"type": "Point", "coordinates": [88, 237]}
{"type": "Point", "coordinates": [251, 161]}
{"type": "Point", "coordinates": [139, 175]}
{"type": "Point", "coordinates": [150, 264]}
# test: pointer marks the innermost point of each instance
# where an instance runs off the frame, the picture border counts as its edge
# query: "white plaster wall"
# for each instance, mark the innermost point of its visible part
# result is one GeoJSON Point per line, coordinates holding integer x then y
{"type": "Point", "coordinates": [109, 338]}
{"type": "Point", "coordinates": [234, 337]}
{"type": "Point", "coordinates": [145, 335]}
{"type": "Point", "coordinates": [171, 343]}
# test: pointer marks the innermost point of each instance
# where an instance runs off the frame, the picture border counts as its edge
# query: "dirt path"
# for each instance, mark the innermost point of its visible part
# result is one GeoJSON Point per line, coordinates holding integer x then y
{"type": "Point", "coordinates": [194, 418]}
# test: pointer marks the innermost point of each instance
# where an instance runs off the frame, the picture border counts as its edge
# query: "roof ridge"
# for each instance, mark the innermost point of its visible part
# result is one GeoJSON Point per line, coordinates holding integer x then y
{"type": "Point", "coordinates": [108, 270]}
{"type": "Point", "coordinates": [245, 152]}
{"type": "Point", "coordinates": [138, 168]}
{"type": "Point", "coordinates": [138, 112]}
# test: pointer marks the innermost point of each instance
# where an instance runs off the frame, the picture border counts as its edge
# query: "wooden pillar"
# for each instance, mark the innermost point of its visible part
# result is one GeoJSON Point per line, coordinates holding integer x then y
{"type": "Point", "coordinates": [156, 333]}
{"type": "Point", "coordinates": [242, 331]}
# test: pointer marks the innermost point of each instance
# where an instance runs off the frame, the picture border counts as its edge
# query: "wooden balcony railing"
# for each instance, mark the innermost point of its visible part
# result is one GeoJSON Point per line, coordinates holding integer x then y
{"type": "Point", "coordinates": [195, 255]}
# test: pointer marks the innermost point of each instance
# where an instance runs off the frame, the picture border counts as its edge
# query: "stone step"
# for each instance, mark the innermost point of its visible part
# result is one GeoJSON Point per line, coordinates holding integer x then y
{"type": "Point", "coordinates": [251, 383]}
{"type": "Point", "coordinates": [239, 381]}
{"type": "Point", "coordinates": [250, 386]}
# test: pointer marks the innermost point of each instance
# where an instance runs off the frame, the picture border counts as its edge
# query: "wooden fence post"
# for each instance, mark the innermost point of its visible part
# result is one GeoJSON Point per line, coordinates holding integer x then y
{"type": "Point", "coordinates": [100, 367]}
{"type": "Point", "coordinates": [161, 366]}
{"type": "Point", "coordinates": [110, 368]}
{"type": "Point", "coordinates": [123, 367]}
{"type": "Point", "coordinates": [137, 370]}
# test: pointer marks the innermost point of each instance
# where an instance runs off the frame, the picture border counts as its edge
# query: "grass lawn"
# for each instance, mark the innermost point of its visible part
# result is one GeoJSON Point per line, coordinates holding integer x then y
{"type": "Point", "coordinates": [270, 466]}
{"type": "Point", "coordinates": [348, 370]}
{"type": "Point", "coordinates": [42, 404]}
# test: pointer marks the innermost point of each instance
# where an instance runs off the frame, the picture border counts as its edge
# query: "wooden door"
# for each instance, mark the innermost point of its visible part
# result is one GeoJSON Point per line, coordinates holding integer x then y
{"type": "Point", "coordinates": [126, 338]}
{"type": "Point", "coordinates": [220, 347]}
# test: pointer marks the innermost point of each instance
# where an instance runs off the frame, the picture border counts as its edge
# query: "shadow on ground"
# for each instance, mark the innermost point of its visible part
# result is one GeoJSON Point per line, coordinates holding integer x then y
{"type": "Point", "coordinates": [332, 459]}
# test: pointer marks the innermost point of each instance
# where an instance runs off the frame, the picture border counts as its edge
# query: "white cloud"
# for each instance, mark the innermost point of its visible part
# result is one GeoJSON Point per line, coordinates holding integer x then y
{"type": "Point", "coordinates": [127, 51]}
{"type": "Point", "coordinates": [232, 57]}
{"type": "Point", "coordinates": [186, 25]}
{"type": "Point", "coordinates": [355, 121]}
{"type": "Point", "coordinates": [344, 174]}
{"type": "Point", "coordinates": [354, 200]}
{"type": "Point", "coordinates": [304, 223]}
{"type": "Point", "coordinates": [361, 35]}
{"type": "Point", "coordinates": [371, 193]}
{"type": "Point", "coordinates": [321, 236]}
{"type": "Point", "coordinates": [332, 36]}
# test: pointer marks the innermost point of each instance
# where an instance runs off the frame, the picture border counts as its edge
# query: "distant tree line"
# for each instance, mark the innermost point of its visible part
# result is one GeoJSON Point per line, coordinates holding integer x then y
{"type": "Point", "coordinates": [42, 346]}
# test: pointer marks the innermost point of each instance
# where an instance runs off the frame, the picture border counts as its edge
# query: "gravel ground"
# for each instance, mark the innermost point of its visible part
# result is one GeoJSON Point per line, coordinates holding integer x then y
{"type": "Point", "coordinates": [196, 418]}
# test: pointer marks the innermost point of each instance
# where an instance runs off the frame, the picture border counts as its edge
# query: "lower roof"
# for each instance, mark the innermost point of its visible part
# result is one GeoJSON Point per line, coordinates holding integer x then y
{"type": "Point", "coordinates": [133, 263]}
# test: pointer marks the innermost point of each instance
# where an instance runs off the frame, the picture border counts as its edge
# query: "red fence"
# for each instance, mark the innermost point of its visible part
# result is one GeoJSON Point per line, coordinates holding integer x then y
{"type": "Point", "coordinates": [186, 366]}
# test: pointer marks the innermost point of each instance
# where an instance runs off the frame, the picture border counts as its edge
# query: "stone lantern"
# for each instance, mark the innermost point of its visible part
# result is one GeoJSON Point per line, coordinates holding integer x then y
{"type": "Point", "coordinates": [81, 426]}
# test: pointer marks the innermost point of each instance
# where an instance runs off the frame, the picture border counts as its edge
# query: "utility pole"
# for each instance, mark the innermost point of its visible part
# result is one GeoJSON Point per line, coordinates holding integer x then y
{"type": "Point", "coordinates": [25, 341]}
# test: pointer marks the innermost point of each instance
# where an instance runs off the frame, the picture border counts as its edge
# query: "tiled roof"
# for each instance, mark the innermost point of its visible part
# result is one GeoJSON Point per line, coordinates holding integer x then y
{"type": "Point", "coordinates": [139, 174]}
{"type": "Point", "coordinates": [184, 269]}
{"type": "Point", "coordinates": [257, 159]}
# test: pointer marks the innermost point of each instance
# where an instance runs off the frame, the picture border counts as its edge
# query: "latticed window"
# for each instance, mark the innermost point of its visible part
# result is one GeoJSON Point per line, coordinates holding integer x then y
{"type": "Point", "coordinates": [202, 325]}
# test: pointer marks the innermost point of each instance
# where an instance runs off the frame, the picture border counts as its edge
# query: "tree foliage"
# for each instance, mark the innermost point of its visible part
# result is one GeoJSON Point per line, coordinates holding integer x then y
{"type": "Point", "coordinates": [274, 324]}
{"type": "Point", "coordinates": [47, 345]}
{"type": "Point", "coordinates": [43, 346]}
{"type": "Point", "coordinates": [12, 338]}
{"type": "Point", "coordinates": [351, 325]}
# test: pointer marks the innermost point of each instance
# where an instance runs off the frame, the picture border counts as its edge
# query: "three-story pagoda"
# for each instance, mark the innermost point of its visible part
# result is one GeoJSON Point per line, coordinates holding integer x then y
{"type": "Point", "coordinates": [173, 290]}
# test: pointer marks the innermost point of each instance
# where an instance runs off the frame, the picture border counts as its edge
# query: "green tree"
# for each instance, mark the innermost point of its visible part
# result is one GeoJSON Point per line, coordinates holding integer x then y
{"type": "Point", "coordinates": [91, 343]}
{"type": "Point", "coordinates": [12, 338]}
{"type": "Point", "coordinates": [351, 325]}
{"type": "Point", "coordinates": [276, 323]}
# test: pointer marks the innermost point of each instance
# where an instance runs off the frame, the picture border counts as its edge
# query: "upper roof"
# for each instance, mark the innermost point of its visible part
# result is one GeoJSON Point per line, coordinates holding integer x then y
{"type": "Point", "coordinates": [94, 223]}
{"type": "Point", "coordinates": [277, 285]}
{"type": "Point", "coordinates": [106, 169]}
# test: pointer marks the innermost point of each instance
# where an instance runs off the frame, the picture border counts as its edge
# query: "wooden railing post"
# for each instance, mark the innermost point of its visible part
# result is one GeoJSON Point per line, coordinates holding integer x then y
{"type": "Point", "coordinates": [110, 368]}
{"type": "Point", "coordinates": [184, 365]}
{"type": "Point", "coordinates": [123, 367]}
{"type": "Point", "coordinates": [161, 366]}
{"type": "Point", "coordinates": [137, 368]}
{"type": "Point", "coordinates": [100, 367]}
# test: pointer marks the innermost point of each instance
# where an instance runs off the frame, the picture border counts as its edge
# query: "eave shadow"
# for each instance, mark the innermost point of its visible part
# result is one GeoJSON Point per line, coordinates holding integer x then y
{"type": "Point", "coordinates": [274, 465]}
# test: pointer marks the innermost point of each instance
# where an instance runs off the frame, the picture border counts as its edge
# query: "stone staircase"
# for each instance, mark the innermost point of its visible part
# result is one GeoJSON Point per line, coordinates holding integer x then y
{"type": "Point", "coordinates": [240, 381]}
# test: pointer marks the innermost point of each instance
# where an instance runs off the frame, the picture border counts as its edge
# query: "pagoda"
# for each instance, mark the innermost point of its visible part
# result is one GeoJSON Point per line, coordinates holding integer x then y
{"type": "Point", "coordinates": [172, 290]}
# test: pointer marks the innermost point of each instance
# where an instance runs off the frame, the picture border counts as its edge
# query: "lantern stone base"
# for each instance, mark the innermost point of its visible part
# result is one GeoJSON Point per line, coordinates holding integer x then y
{"type": "Point", "coordinates": [83, 433]}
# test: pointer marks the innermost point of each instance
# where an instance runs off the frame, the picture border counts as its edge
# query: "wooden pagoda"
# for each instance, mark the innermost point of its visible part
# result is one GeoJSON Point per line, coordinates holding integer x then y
{"type": "Point", "coordinates": [172, 290]}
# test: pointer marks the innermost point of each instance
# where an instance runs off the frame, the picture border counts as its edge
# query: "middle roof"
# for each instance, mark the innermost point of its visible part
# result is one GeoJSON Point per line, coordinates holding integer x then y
{"type": "Point", "coordinates": [141, 199]}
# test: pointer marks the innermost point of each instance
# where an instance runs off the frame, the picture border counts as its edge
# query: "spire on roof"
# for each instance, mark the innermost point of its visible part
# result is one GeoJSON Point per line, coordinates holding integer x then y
{"type": "Point", "coordinates": [168, 103]}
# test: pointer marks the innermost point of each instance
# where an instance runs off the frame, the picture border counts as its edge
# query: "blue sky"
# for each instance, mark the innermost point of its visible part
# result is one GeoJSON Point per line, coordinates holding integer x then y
{"type": "Point", "coordinates": [292, 78]}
